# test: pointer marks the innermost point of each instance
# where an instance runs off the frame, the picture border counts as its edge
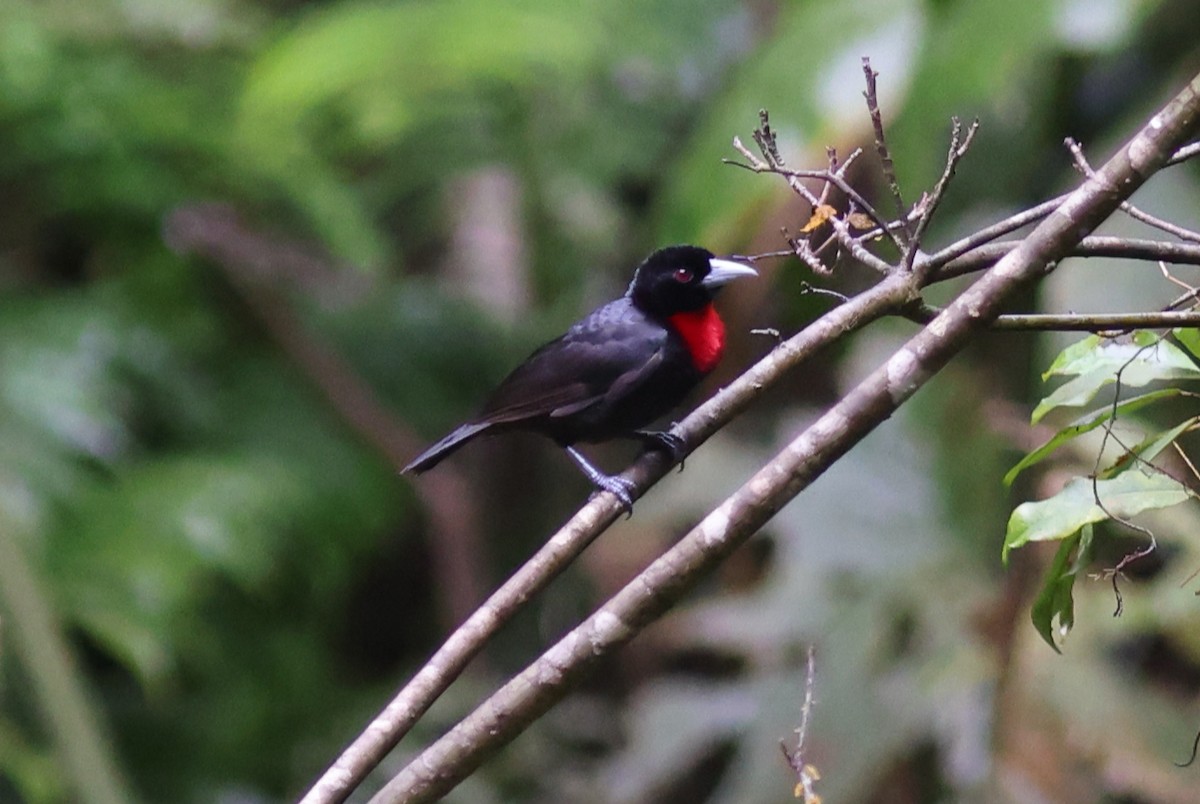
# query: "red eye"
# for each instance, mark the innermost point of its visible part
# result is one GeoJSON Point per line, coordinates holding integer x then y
{"type": "Point", "coordinates": [683, 275]}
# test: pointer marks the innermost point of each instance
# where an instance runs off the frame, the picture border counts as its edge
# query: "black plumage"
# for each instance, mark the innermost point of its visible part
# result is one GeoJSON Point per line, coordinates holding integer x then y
{"type": "Point", "coordinates": [616, 370]}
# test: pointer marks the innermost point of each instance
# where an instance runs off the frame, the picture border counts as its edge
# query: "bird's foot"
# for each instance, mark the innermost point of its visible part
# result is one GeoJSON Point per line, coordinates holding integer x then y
{"type": "Point", "coordinates": [665, 441]}
{"type": "Point", "coordinates": [618, 487]}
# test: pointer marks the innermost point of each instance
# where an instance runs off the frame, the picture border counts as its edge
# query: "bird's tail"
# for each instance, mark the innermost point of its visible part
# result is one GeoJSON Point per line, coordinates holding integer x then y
{"type": "Point", "coordinates": [433, 456]}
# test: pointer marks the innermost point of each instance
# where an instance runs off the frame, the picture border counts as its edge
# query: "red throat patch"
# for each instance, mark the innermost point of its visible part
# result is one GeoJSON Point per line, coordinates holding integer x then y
{"type": "Point", "coordinates": [704, 333]}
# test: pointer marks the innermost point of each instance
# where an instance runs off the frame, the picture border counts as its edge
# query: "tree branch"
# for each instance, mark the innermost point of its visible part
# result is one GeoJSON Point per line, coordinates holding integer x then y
{"type": "Point", "coordinates": [387, 729]}
{"type": "Point", "coordinates": [1024, 218]}
{"type": "Point", "coordinates": [1126, 248]}
{"type": "Point", "coordinates": [959, 145]}
{"type": "Point", "coordinates": [851, 243]}
{"type": "Point", "coordinates": [1073, 322]}
{"type": "Point", "coordinates": [499, 719]}
{"type": "Point", "coordinates": [1129, 209]}
{"type": "Point", "coordinates": [888, 167]}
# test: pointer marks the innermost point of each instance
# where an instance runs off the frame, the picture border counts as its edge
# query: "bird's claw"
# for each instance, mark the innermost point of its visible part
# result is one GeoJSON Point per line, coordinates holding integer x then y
{"type": "Point", "coordinates": [621, 488]}
{"type": "Point", "coordinates": [666, 441]}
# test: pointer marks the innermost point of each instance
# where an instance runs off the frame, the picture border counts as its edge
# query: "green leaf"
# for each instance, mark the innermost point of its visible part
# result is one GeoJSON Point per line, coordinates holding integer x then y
{"type": "Point", "coordinates": [1085, 424]}
{"type": "Point", "coordinates": [1074, 393]}
{"type": "Point", "coordinates": [1075, 506]}
{"type": "Point", "coordinates": [1190, 338]}
{"type": "Point", "coordinates": [1095, 363]}
{"type": "Point", "coordinates": [1055, 599]}
{"type": "Point", "coordinates": [1141, 348]}
{"type": "Point", "coordinates": [1073, 355]}
{"type": "Point", "coordinates": [1149, 447]}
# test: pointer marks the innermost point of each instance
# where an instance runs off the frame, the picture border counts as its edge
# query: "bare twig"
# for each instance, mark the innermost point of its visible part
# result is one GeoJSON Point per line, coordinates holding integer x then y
{"type": "Point", "coordinates": [767, 141]}
{"type": "Point", "coordinates": [986, 255]}
{"type": "Point", "coordinates": [1185, 153]}
{"type": "Point", "coordinates": [806, 773]}
{"type": "Point", "coordinates": [835, 174]}
{"type": "Point", "coordinates": [1024, 218]}
{"type": "Point", "coordinates": [769, 332]}
{"type": "Point", "coordinates": [982, 256]}
{"type": "Point", "coordinates": [1188, 299]}
{"type": "Point", "coordinates": [959, 145]}
{"type": "Point", "coordinates": [831, 158]}
{"type": "Point", "coordinates": [802, 249]}
{"type": "Point", "coordinates": [885, 156]}
{"type": "Point", "coordinates": [806, 288]}
{"type": "Point", "coordinates": [1116, 572]}
{"type": "Point", "coordinates": [1105, 323]}
{"type": "Point", "coordinates": [85, 751]}
{"type": "Point", "coordinates": [1183, 456]}
{"type": "Point", "coordinates": [999, 229]}
{"type": "Point", "coordinates": [1167, 275]}
{"type": "Point", "coordinates": [852, 243]}
{"type": "Point", "coordinates": [838, 180]}
{"type": "Point", "coordinates": [1129, 209]}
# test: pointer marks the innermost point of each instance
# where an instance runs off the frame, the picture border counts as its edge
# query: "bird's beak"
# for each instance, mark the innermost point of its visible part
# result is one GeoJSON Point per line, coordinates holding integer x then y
{"type": "Point", "coordinates": [724, 271]}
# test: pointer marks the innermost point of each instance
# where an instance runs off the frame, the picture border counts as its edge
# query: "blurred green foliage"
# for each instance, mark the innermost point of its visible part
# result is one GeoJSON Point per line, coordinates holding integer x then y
{"type": "Point", "coordinates": [243, 580]}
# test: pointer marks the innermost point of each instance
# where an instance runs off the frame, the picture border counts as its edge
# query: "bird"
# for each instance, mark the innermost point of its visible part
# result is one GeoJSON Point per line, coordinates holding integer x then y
{"type": "Point", "coordinates": [616, 370]}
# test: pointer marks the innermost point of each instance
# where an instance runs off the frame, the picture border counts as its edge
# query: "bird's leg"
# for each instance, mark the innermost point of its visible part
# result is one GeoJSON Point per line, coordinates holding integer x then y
{"type": "Point", "coordinates": [664, 441]}
{"type": "Point", "coordinates": [618, 486]}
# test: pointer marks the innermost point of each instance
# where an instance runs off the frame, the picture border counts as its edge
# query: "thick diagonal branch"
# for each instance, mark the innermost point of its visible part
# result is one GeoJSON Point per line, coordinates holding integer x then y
{"type": "Point", "coordinates": [499, 719]}
{"type": "Point", "coordinates": [386, 730]}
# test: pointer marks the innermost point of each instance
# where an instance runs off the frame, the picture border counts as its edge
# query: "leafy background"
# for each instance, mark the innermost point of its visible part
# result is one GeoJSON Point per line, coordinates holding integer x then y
{"type": "Point", "coordinates": [242, 580]}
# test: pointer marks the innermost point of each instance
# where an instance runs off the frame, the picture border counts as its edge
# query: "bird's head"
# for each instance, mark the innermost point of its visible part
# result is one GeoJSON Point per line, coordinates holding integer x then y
{"type": "Point", "coordinates": [679, 279]}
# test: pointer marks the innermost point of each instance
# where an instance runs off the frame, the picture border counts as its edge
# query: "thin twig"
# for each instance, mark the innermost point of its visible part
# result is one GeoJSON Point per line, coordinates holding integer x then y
{"type": "Point", "coordinates": [852, 243]}
{"type": "Point", "coordinates": [986, 255]}
{"type": "Point", "coordinates": [1186, 460]}
{"type": "Point", "coordinates": [768, 142]}
{"type": "Point", "coordinates": [803, 249]}
{"type": "Point", "coordinates": [1115, 323]}
{"type": "Point", "coordinates": [831, 158]}
{"type": "Point", "coordinates": [766, 255]}
{"type": "Point", "coordinates": [885, 156]}
{"type": "Point", "coordinates": [838, 180]}
{"type": "Point", "coordinates": [990, 233]}
{"type": "Point", "coordinates": [1024, 218]}
{"type": "Point", "coordinates": [806, 288]}
{"type": "Point", "coordinates": [959, 145]}
{"type": "Point", "coordinates": [1167, 275]}
{"type": "Point", "coordinates": [807, 774]}
{"type": "Point", "coordinates": [55, 688]}
{"type": "Point", "coordinates": [1129, 209]}
{"type": "Point", "coordinates": [1126, 248]}
{"type": "Point", "coordinates": [1115, 573]}
{"type": "Point", "coordinates": [1183, 154]}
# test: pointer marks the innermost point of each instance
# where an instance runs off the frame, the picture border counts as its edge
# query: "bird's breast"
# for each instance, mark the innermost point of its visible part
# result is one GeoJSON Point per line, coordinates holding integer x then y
{"type": "Point", "coordinates": [703, 332]}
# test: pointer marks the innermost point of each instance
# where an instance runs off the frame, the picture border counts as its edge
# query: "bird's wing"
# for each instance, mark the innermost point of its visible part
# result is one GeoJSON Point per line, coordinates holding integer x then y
{"type": "Point", "coordinates": [594, 360]}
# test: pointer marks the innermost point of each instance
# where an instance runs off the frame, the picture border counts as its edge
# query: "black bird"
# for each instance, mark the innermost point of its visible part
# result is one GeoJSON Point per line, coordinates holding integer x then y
{"type": "Point", "coordinates": [618, 369]}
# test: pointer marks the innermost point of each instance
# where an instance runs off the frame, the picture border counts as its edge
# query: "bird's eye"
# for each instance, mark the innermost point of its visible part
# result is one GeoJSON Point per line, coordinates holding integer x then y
{"type": "Point", "coordinates": [683, 275]}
